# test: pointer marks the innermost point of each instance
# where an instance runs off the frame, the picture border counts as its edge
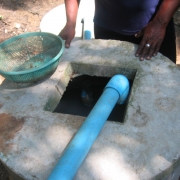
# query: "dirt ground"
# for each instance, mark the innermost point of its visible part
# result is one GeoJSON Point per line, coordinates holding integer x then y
{"type": "Point", "coordinates": [19, 16]}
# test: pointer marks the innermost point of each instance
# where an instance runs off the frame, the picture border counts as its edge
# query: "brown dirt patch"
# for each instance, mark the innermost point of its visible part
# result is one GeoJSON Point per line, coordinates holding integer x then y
{"type": "Point", "coordinates": [9, 126]}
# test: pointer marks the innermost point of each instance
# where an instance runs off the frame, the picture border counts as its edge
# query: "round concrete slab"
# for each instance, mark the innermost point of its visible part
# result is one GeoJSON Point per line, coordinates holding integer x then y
{"type": "Point", "coordinates": [146, 146]}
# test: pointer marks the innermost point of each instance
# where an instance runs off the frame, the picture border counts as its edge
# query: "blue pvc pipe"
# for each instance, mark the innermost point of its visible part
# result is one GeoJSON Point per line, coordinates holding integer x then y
{"type": "Point", "coordinates": [87, 28]}
{"type": "Point", "coordinates": [78, 148]}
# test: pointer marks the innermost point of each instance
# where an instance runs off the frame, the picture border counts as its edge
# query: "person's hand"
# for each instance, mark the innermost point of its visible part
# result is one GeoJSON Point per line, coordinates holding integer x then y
{"type": "Point", "coordinates": [67, 34]}
{"type": "Point", "coordinates": [153, 35]}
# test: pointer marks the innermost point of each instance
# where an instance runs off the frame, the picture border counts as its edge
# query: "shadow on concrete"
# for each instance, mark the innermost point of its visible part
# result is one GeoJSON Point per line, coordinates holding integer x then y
{"type": "Point", "coordinates": [7, 84]}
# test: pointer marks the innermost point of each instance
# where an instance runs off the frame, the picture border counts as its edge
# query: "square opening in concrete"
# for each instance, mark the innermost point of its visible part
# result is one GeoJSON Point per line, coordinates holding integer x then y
{"type": "Point", "coordinates": [81, 95]}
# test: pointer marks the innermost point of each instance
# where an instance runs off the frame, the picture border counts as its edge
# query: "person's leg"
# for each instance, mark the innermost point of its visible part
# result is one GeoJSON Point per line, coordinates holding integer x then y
{"type": "Point", "coordinates": [168, 46]}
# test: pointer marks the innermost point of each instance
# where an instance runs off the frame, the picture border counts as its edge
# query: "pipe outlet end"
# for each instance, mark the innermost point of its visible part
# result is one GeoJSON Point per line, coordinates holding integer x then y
{"type": "Point", "coordinates": [121, 84]}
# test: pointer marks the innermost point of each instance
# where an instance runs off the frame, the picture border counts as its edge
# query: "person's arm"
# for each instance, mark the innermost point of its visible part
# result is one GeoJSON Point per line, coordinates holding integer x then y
{"type": "Point", "coordinates": [153, 34]}
{"type": "Point", "coordinates": [68, 32]}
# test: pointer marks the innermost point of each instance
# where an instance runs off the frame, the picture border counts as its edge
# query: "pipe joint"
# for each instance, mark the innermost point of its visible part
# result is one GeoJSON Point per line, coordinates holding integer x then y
{"type": "Point", "coordinates": [121, 84]}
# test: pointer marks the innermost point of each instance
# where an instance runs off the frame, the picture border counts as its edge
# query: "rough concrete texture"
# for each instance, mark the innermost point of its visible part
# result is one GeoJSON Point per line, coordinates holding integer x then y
{"type": "Point", "coordinates": [146, 146]}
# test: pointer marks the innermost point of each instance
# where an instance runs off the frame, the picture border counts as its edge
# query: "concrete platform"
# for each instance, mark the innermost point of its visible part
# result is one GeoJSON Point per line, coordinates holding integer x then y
{"type": "Point", "coordinates": [146, 146]}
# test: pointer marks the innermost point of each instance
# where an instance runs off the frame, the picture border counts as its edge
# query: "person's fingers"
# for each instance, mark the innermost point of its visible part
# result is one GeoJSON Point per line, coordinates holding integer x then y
{"type": "Point", "coordinates": [67, 39]}
{"type": "Point", "coordinates": [68, 42]}
{"type": "Point", "coordinates": [67, 34]}
{"type": "Point", "coordinates": [150, 52]}
{"type": "Point", "coordinates": [139, 34]}
{"type": "Point", "coordinates": [143, 53]}
{"type": "Point", "coordinates": [156, 50]}
{"type": "Point", "coordinates": [147, 51]}
{"type": "Point", "coordinates": [153, 35]}
{"type": "Point", "coordinates": [141, 48]}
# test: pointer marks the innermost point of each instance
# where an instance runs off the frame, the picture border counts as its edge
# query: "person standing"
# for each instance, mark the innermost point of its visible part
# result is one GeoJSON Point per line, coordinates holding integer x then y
{"type": "Point", "coordinates": [147, 23]}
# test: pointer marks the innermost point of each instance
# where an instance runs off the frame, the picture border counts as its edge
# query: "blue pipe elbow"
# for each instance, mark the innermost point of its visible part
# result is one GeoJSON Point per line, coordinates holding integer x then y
{"type": "Point", "coordinates": [121, 84]}
{"type": "Point", "coordinates": [115, 91]}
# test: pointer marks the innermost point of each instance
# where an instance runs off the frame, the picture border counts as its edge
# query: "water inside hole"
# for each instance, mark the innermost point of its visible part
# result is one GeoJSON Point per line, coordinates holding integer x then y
{"type": "Point", "coordinates": [81, 95]}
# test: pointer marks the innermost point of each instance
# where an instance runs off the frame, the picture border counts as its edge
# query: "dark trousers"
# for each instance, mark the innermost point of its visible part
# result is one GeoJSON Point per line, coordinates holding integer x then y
{"type": "Point", "coordinates": [168, 46]}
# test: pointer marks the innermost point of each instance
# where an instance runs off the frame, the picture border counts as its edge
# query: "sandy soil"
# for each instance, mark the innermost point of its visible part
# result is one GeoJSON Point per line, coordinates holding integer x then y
{"type": "Point", "coordinates": [19, 16]}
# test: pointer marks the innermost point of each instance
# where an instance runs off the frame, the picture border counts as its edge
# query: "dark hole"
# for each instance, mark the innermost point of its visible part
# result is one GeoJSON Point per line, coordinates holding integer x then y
{"type": "Point", "coordinates": [81, 95]}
